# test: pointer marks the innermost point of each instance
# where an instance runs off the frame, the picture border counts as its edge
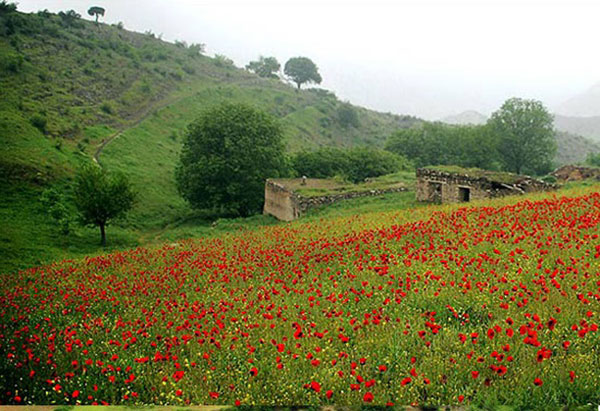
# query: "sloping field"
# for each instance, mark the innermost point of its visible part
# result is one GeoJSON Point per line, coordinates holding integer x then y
{"type": "Point", "coordinates": [487, 305]}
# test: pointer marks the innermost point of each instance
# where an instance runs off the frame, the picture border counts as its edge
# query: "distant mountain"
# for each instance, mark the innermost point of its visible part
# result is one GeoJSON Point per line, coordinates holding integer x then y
{"type": "Point", "coordinates": [586, 104]}
{"type": "Point", "coordinates": [573, 149]}
{"type": "Point", "coordinates": [466, 117]}
{"type": "Point", "coordinates": [584, 126]}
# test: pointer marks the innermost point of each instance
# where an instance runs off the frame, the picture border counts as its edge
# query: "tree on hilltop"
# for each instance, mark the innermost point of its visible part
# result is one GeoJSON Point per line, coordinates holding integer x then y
{"type": "Point", "coordinates": [302, 70]}
{"type": "Point", "coordinates": [525, 135]}
{"type": "Point", "coordinates": [96, 11]}
{"type": "Point", "coordinates": [264, 67]}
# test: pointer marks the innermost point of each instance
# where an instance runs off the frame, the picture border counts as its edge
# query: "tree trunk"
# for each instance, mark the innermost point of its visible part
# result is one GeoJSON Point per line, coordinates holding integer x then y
{"type": "Point", "coordinates": [102, 235]}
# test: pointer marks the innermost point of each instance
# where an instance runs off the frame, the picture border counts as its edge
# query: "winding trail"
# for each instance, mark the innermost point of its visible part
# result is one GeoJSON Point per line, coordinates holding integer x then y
{"type": "Point", "coordinates": [144, 114]}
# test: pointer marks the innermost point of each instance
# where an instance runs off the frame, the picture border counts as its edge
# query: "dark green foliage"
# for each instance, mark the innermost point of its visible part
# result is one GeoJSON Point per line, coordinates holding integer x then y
{"type": "Point", "coordinates": [347, 116]}
{"type": "Point", "coordinates": [365, 163]}
{"type": "Point", "coordinates": [442, 144]}
{"type": "Point", "coordinates": [227, 154]}
{"type": "Point", "coordinates": [525, 136]}
{"type": "Point", "coordinates": [593, 159]}
{"type": "Point", "coordinates": [355, 164]}
{"type": "Point", "coordinates": [71, 18]}
{"type": "Point", "coordinates": [223, 61]}
{"type": "Point", "coordinates": [101, 197]}
{"type": "Point", "coordinates": [265, 67]}
{"type": "Point", "coordinates": [39, 121]}
{"type": "Point", "coordinates": [54, 205]}
{"type": "Point", "coordinates": [6, 7]}
{"type": "Point", "coordinates": [302, 70]}
{"type": "Point", "coordinates": [96, 11]}
{"type": "Point", "coordinates": [323, 163]}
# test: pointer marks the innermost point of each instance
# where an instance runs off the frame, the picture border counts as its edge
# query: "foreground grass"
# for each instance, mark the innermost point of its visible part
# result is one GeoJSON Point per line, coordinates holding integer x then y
{"type": "Point", "coordinates": [494, 303]}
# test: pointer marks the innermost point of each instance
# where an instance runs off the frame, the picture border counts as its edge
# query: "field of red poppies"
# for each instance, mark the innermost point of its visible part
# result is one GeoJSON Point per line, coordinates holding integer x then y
{"type": "Point", "coordinates": [480, 305]}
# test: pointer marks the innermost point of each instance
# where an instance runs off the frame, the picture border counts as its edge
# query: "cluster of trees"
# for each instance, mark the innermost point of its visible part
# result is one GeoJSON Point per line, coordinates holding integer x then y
{"type": "Point", "coordinates": [355, 164]}
{"type": "Point", "coordinates": [519, 137]}
{"type": "Point", "coordinates": [300, 70]}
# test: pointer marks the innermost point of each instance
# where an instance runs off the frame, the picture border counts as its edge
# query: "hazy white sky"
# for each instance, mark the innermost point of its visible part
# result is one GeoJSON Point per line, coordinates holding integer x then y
{"type": "Point", "coordinates": [428, 58]}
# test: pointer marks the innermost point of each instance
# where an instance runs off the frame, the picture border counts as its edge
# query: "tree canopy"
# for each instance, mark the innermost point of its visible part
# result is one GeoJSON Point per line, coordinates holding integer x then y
{"type": "Point", "coordinates": [228, 152]}
{"type": "Point", "coordinates": [525, 136]}
{"type": "Point", "coordinates": [302, 70]}
{"type": "Point", "coordinates": [353, 164]}
{"type": "Point", "coordinates": [101, 197]}
{"type": "Point", "coordinates": [442, 144]}
{"type": "Point", "coordinates": [264, 67]}
{"type": "Point", "coordinates": [96, 11]}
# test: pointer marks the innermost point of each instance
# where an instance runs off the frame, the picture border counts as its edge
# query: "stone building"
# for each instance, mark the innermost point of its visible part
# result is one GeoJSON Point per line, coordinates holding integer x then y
{"type": "Point", "coordinates": [454, 185]}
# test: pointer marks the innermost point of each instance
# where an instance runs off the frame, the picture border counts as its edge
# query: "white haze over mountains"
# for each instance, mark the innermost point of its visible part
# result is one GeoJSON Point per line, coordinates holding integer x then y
{"type": "Point", "coordinates": [429, 58]}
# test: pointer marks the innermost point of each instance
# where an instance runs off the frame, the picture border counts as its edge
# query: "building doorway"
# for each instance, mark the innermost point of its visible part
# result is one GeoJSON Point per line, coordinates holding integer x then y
{"type": "Point", "coordinates": [464, 194]}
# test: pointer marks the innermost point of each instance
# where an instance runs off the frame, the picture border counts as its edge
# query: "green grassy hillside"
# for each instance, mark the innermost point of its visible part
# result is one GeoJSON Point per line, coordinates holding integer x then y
{"type": "Point", "coordinates": [68, 86]}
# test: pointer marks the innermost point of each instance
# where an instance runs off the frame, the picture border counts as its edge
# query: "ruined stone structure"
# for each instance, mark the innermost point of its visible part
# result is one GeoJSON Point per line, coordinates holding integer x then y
{"type": "Point", "coordinates": [576, 173]}
{"type": "Point", "coordinates": [439, 186]}
{"type": "Point", "coordinates": [287, 205]}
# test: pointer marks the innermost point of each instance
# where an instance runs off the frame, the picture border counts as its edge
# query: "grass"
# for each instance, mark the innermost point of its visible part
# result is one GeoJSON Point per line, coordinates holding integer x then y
{"type": "Point", "coordinates": [65, 89]}
{"type": "Point", "coordinates": [323, 187]}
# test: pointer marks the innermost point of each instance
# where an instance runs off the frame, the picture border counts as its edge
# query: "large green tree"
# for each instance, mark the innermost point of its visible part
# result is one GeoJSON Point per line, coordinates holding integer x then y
{"type": "Point", "coordinates": [302, 70]}
{"type": "Point", "coordinates": [525, 135]}
{"type": "Point", "coordinates": [101, 197]}
{"type": "Point", "coordinates": [228, 153]}
{"type": "Point", "coordinates": [264, 67]}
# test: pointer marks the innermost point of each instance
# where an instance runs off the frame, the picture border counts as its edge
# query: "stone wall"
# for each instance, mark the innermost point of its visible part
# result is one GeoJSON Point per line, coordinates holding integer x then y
{"type": "Point", "coordinates": [442, 187]}
{"type": "Point", "coordinates": [280, 202]}
{"type": "Point", "coordinates": [287, 205]}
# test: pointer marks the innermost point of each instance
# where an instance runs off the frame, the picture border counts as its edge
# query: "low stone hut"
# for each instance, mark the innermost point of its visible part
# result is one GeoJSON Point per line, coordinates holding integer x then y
{"type": "Point", "coordinates": [448, 184]}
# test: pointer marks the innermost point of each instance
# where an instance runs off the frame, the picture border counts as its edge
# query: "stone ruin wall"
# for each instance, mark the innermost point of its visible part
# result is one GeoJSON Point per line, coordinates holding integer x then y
{"type": "Point", "coordinates": [280, 202]}
{"type": "Point", "coordinates": [479, 187]}
{"type": "Point", "coordinates": [576, 173]}
{"type": "Point", "coordinates": [287, 205]}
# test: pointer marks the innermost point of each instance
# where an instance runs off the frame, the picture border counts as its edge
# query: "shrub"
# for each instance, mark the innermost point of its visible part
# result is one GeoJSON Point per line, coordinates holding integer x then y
{"type": "Point", "coordinates": [593, 159]}
{"type": "Point", "coordinates": [347, 116]}
{"type": "Point", "coordinates": [40, 122]}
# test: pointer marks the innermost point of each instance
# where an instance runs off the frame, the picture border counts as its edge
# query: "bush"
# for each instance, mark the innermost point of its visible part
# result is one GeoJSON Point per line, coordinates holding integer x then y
{"type": "Point", "coordinates": [108, 107]}
{"type": "Point", "coordinates": [354, 165]}
{"type": "Point", "coordinates": [593, 159]}
{"type": "Point", "coordinates": [227, 154]}
{"type": "Point", "coordinates": [347, 116]}
{"type": "Point", "coordinates": [222, 61]}
{"type": "Point", "coordinates": [53, 204]}
{"type": "Point", "coordinates": [40, 122]}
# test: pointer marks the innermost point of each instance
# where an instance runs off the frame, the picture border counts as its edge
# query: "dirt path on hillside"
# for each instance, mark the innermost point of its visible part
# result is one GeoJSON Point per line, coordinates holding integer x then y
{"type": "Point", "coordinates": [143, 115]}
